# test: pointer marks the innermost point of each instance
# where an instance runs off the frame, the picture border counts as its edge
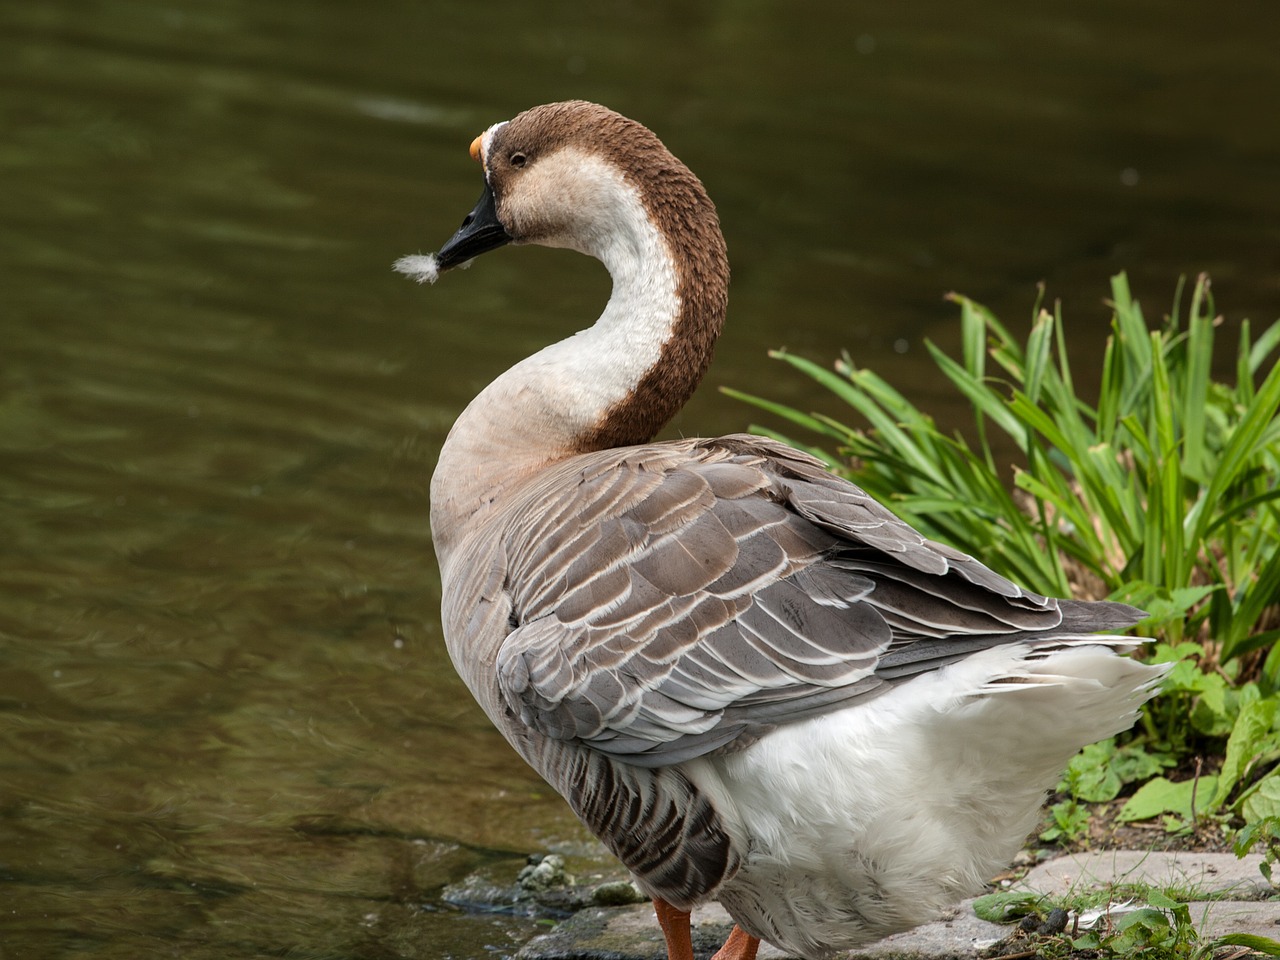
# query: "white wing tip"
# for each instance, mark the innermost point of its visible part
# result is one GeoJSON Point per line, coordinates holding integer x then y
{"type": "Point", "coordinates": [419, 267]}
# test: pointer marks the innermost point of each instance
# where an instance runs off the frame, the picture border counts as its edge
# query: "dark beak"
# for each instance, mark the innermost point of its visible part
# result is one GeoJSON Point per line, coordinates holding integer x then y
{"type": "Point", "coordinates": [480, 232]}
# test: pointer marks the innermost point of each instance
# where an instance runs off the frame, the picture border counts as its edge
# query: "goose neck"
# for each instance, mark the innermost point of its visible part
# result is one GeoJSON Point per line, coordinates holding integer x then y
{"type": "Point", "coordinates": [615, 383]}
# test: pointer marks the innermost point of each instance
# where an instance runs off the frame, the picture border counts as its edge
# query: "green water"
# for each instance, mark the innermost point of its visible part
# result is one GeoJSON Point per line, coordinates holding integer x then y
{"type": "Point", "coordinates": [227, 724]}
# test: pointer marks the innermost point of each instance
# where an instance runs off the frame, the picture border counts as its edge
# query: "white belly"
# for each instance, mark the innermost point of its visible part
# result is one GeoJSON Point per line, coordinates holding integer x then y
{"type": "Point", "coordinates": [873, 819]}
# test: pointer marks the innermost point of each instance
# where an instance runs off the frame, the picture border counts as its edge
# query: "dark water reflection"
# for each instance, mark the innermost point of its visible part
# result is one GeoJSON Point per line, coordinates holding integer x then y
{"type": "Point", "coordinates": [227, 724]}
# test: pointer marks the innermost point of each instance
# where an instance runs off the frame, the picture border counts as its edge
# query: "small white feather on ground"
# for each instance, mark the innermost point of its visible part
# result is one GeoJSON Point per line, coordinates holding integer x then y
{"type": "Point", "coordinates": [418, 267]}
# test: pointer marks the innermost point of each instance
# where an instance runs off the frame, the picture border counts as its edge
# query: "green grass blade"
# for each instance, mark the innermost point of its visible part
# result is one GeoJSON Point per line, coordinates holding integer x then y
{"type": "Point", "coordinates": [1165, 474]}
{"type": "Point", "coordinates": [1130, 326]}
{"type": "Point", "coordinates": [1110, 389]}
{"type": "Point", "coordinates": [1195, 389]}
{"type": "Point", "coordinates": [1262, 348]}
{"type": "Point", "coordinates": [1263, 592]}
{"type": "Point", "coordinates": [805, 420]}
{"type": "Point", "coordinates": [980, 395]}
{"type": "Point", "coordinates": [1039, 355]}
{"type": "Point", "coordinates": [1243, 445]}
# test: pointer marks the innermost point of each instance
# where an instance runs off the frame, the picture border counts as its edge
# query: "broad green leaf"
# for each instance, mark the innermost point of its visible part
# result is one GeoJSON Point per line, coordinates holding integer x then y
{"type": "Point", "coordinates": [1007, 905]}
{"type": "Point", "coordinates": [1162, 902]}
{"type": "Point", "coordinates": [1215, 711]}
{"type": "Point", "coordinates": [1093, 777]}
{"type": "Point", "coordinates": [1164, 796]}
{"type": "Point", "coordinates": [1167, 653]}
{"type": "Point", "coordinates": [1088, 941]}
{"type": "Point", "coordinates": [1098, 772]}
{"type": "Point", "coordinates": [1186, 676]}
{"type": "Point", "coordinates": [1251, 736]}
{"type": "Point", "coordinates": [1142, 928]}
{"type": "Point", "coordinates": [1134, 763]}
{"type": "Point", "coordinates": [1263, 800]}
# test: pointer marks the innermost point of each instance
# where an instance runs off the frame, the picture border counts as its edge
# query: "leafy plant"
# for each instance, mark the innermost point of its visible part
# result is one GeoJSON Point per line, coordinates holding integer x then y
{"type": "Point", "coordinates": [1163, 492]}
{"type": "Point", "coordinates": [1110, 924]}
{"type": "Point", "coordinates": [1097, 774]}
{"type": "Point", "coordinates": [1253, 745]}
{"type": "Point", "coordinates": [1068, 821]}
{"type": "Point", "coordinates": [1264, 831]}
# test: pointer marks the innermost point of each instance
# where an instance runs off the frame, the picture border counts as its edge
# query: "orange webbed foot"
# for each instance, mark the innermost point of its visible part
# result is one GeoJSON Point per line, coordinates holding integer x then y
{"type": "Point", "coordinates": [740, 946]}
{"type": "Point", "coordinates": [675, 929]}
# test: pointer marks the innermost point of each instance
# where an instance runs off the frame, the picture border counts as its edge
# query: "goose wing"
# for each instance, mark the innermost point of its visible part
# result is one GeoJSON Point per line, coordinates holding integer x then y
{"type": "Point", "coordinates": [669, 600]}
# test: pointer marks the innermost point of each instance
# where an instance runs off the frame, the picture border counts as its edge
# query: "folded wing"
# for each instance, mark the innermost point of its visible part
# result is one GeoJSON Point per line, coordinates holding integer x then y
{"type": "Point", "coordinates": [674, 599]}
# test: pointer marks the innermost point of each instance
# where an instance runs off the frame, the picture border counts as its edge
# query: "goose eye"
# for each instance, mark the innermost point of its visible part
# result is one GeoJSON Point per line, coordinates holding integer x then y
{"type": "Point", "coordinates": [518, 159]}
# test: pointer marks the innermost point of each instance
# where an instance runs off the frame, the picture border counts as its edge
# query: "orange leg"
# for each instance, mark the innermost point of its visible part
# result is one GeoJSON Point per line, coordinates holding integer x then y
{"type": "Point", "coordinates": [740, 946]}
{"type": "Point", "coordinates": [675, 928]}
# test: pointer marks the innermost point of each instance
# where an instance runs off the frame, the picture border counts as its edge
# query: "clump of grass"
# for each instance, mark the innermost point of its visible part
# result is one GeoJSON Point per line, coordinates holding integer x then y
{"type": "Point", "coordinates": [1163, 491]}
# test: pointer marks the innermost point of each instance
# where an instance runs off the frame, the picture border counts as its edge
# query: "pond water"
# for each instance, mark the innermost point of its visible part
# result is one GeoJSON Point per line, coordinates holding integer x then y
{"type": "Point", "coordinates": [228, 727]}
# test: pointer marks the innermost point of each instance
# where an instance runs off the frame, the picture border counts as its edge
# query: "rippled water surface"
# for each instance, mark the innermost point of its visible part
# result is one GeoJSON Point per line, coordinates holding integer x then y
{"type": "Point", "coordinates": [228, 727]}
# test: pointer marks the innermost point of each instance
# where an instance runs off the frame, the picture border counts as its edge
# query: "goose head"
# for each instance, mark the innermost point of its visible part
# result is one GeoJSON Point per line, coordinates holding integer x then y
{"type": "Point", "coordinates": [580, 176]}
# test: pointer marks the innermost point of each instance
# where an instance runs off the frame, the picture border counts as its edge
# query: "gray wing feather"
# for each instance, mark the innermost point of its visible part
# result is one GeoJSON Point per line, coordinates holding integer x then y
{"type": "Point", "coordinates": [680, 598]}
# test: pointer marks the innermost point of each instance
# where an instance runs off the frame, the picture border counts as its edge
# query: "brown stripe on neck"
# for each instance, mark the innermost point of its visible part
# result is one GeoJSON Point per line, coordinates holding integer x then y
{"type": "Point", "coordinates": [686, 218]}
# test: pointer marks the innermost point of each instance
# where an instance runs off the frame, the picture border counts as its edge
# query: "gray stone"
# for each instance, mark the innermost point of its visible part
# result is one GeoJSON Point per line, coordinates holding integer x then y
{"type": "Point", "coordinates": [961, 935]}
{"type": "Point", "coordinates": [623, 933]}
{"type": "Point", "coordinates": [1201, 874]}
{"type": "Point", "coordinates": [1222, 917]}
{"type": "Point", "coordinates": [544, 873]}
{"type": "Point", "coordinates": [544, 888]}
{"type": "Point", "coordinates": [617, 893]}
{"type": "Point", "coordinates": [632, 933]}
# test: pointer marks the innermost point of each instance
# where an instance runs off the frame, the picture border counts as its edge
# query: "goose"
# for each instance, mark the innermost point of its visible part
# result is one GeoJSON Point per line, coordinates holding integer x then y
{"type": "Point", "coordinates": [748, 678]}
